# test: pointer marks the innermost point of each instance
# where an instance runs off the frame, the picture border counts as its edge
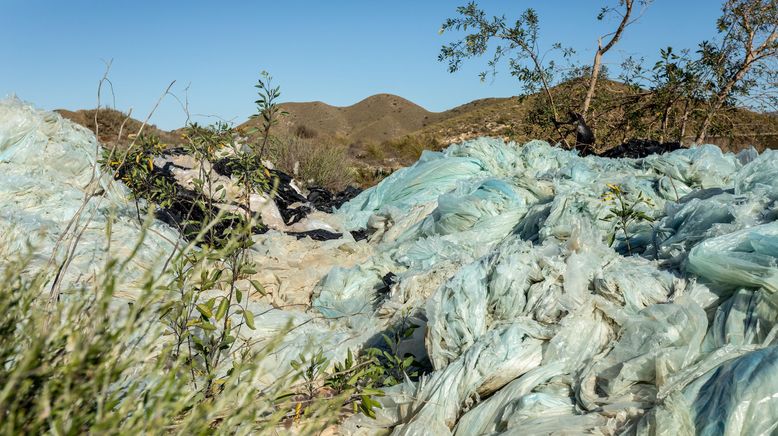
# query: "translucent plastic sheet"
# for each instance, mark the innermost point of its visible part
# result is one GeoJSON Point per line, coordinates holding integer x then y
{"type": "Point", "coordinates": [46, 174]}
{"type": "Point", "coordinates": [624, 329]}
{"type": "Point", "coordinates": [540, 315]}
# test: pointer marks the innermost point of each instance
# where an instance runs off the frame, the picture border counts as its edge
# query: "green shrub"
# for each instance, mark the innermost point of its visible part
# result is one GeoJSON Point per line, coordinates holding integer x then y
{"type": "Point", "coordinates": [626, 209]}
{"type": "Point", "coordinates": [171, 360]}
{"type": "Point", "coordinates": [176, 358]}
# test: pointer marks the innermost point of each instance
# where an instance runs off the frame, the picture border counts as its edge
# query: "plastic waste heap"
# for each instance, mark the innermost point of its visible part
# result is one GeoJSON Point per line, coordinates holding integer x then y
{"type": "Point", "coordinates": [540, 313]}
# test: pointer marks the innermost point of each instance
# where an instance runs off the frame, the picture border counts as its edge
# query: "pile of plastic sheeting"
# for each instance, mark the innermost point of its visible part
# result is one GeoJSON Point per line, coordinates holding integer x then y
{"type": "Point", "coordinates": [52, 198]}
{"type": "Point", "coordinates": [56, 204]}
{"type": "Point", "coordinates": [535, 325]}
{"type": "Point", "coordinates": [540, 315]}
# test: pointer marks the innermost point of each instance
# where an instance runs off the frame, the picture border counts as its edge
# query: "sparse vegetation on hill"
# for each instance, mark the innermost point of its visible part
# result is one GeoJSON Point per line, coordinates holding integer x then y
{"type": "Point", "coordinates": [683, 98]}
{"type": "Point", "coordinates": [680, 95]}
{"type": "Point", "coordinates": [114, 127]}
{"type": "Point", "coordinates": [375, 119]}
{"type": "Point", "coordinates": [620, 112]}
{"type": "Point", "coordinates": [315, 138]}
{"type": "Point", "coordinates": [313, 161]}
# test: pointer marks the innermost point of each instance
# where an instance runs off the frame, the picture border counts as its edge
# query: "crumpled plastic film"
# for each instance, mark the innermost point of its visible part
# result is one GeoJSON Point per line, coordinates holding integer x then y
{"type": "Point", "coordinates": [747, 257]}
{"type": "Point", "coordinates": [760, 174]}
{"type": "Point", "coordinates": [496, 358]}
{"type": "Point", "coordinates": [621, 332]}
{"type": "Point", "coordinates": [737, 397]}
{"type": "Point", "coordinates": [46, 172]}
{"type": "Point", "coordinates": [538, 313]}
{"type": "Point", "coordinates": [748, 317]}
{"type": "Point", "coordinates": [431, 176]}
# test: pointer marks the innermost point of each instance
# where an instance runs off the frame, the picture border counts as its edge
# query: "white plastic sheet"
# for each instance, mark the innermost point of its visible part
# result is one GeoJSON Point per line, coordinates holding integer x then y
{"type": "Point", "coordinates": [534, 322]}
{"type": "Point", "coordinates": [46, 174]}
{"type": "Point", "coordinates": [622, 332]}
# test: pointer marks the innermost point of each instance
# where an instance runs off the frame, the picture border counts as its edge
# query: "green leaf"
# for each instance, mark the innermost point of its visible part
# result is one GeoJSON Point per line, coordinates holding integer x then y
{"type": "Point", "coordinates": [222, 310]}
{"type": "Point", "coordinates": [287, 395]}
{"type": "Point", "coordinates": [258, 286]}
{"type": "Point", "coordinates": [207, 326]}
{"type": "Point", "coordinates": [249, 319]}
{"type": "Point", "coordinates": [204, 310]}
{"type": "Point", "coordinates": [611, 239]}
{"type": "Point", "coordinates": [370, 391]}
{"type": "Point", "coordinates": [366, 407]}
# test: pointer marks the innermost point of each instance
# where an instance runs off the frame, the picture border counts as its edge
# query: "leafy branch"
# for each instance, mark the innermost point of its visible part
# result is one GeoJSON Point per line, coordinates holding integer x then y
{"type": "Point", "coordinates": [625, 210]}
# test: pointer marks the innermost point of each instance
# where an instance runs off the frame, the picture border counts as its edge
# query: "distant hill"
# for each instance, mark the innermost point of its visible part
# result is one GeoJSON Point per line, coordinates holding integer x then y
{"type": "Point", "coordinates": [384, 131]}
{"type": "Point", "coordinates": [376, 119]}
{"type": "Point", "coordinates": [111, 123]}
{"type": "Point", "coordinates": [523, 118]}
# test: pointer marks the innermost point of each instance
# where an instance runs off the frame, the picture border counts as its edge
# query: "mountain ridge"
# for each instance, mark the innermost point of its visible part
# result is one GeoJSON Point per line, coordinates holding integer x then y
{"type": "Point", "coordinates": [385, 131]}
{"type": "Point", "coordinates": [376, 118]}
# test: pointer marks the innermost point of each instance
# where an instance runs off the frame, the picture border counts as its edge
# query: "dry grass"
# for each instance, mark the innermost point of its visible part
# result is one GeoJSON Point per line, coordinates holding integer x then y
{"type": "Point", "coordinates": [409, 148]}
{"type": "Point", "coordinates": [375, 151]}
{"type": "Point", "coordinates": [303, 131]}
{"type": "Point", "coordinates": [315, 162]}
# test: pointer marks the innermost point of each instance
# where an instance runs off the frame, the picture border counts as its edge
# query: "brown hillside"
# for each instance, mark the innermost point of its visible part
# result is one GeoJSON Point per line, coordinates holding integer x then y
{"type": "Point", "coordinates": [112, 122]}
{"type": "Point", "coordinates": [384, 131]}
{"type": "Point", "coordinates": [525, 118]}
{"type": "Point", "coordinates": [376, 119]}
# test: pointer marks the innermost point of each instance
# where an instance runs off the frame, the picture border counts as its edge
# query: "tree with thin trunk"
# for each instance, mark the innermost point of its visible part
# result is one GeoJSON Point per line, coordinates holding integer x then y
{"type": "Point", "coordinates": [518, 42]}
{"type": "Point", "coordinates": [626, 10]}
{"type": "Point", "coordinates": [741, 62]}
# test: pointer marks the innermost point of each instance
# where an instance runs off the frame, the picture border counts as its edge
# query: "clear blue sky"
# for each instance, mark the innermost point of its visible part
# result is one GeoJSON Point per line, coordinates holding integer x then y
{"type": "Point", "coordinates": [335, 51]}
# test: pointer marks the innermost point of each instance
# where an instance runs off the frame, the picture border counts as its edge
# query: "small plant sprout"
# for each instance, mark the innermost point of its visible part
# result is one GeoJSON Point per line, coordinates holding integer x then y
{"type": "Point", "coordinates": [625, 211]}
{"type": "Point", "coordinates": [267, 108]}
